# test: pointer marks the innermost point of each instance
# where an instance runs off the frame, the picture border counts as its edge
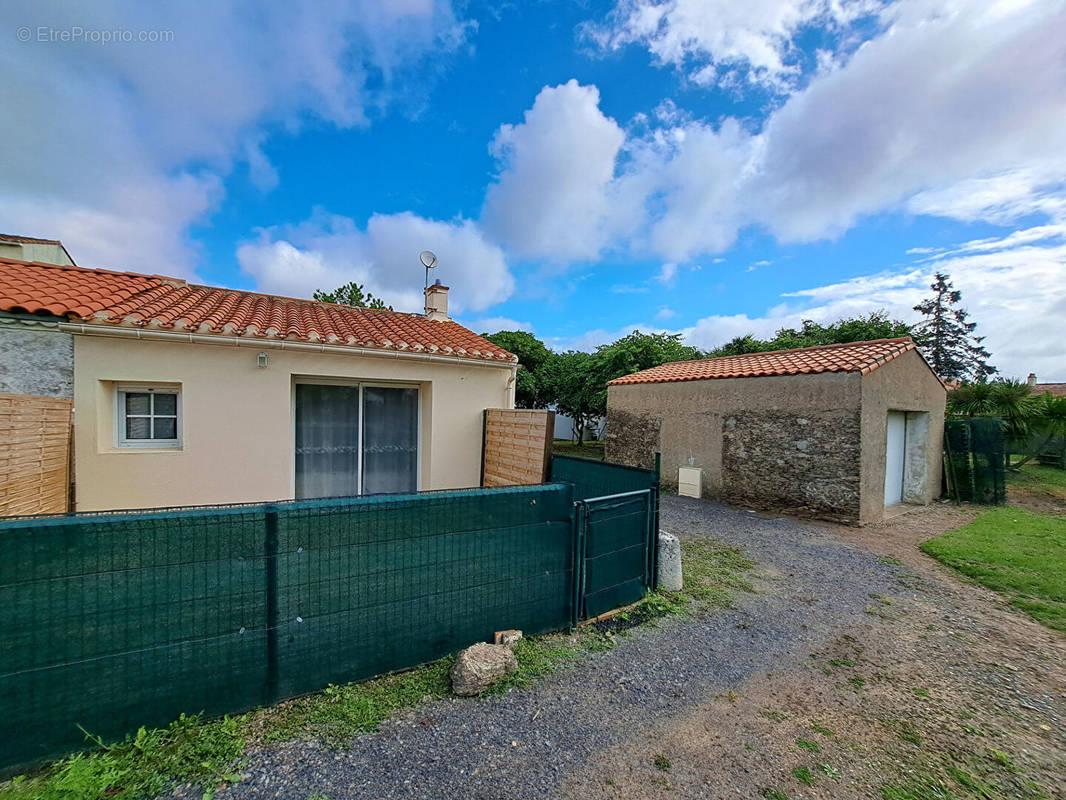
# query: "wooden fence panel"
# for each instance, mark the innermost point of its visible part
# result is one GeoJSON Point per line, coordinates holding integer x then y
{"type": "Point", "coordinates": [517, 446]}
{"type": "Point", "coordinates": [34, 454]}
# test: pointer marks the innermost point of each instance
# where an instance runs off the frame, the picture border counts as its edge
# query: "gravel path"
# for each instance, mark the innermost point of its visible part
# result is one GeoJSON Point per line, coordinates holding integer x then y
{"type": "Point", "coordinates": [811, 585]}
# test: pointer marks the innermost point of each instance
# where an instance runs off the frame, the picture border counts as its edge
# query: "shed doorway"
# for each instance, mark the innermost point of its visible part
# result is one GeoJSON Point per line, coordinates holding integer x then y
{"type": "Point", "coordinates": [353, 440]}
{"type": "Point", "coordinates": [895, 456]}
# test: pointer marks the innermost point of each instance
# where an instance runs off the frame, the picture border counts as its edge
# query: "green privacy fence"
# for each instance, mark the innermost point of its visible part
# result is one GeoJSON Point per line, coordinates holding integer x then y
{"type": "Point", "coordinates": [111, 621]}
{"type": "Point", "coordinates": [618, 514]}
{"type": "Point", "coordinates": [974, 466]}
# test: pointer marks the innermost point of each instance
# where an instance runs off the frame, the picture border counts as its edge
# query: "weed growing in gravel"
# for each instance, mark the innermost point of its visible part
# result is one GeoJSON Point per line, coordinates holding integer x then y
{"type": "Point", "coordinates": [820, 729]}
{"type": "Point", "coordinates": [892, 560]}
{"type": "Point", "coordinates": [142, 765]}
{"type": "Point", "coordinates": [803, 775]}
{"type": "Point", "coordinates": [922, 788]}
{"type": "Point", "coordinates": [908, 733]}
{"type": "Point", "coordinates": [537, 657]}
{"type": "Point", "coordinates": [808, 745]}
{"type": "Point", "coordinates": [773, 794]}
{"type": "Point", "coordinates": [662, 763]}
{"type": "Point", "coordinates": [712, 572]}
{"type": "Point", "coordinates": [829, 770]}
{"type": "Point", "coordinates": [338, 713]}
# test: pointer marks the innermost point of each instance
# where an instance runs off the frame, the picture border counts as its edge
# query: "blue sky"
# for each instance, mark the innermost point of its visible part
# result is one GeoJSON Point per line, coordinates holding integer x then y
{"type": "Point", "coordinates": [696, 166]}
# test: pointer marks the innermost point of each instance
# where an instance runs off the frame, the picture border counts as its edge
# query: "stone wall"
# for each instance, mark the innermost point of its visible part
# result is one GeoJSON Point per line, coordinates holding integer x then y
{"type": "Point", "coordinates": [632, 439]}
{"type": "Point", "coordinates": [35, 358]}
{"type": "Point", "coordinates": [807, 462]}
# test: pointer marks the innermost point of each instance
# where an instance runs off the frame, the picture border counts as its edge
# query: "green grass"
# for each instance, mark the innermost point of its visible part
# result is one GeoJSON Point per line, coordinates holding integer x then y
{"type": "Point", "coordinates": [803, 775]}
{"type": "Point", "coordinates": [809, 746]}
{"type": "Point", "coordinates": [564, 447]}
{"type": "Point", "coordinates": [712, 572]}
{"type": "Point", "coordinates": [1016, 552]}
{"type": "Point", "coordinates": [143, 765]}
{"type": "Point", "coordinates": [1043, 480]}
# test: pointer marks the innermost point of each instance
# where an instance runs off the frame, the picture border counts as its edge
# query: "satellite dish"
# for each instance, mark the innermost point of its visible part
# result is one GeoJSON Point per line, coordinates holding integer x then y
{"type": "Point", "coordinates": [428, 259]}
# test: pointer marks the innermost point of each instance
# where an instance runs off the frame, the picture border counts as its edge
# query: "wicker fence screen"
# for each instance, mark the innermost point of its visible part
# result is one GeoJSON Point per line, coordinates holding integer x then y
{"type": "Point", "coordinates": [116, 620]}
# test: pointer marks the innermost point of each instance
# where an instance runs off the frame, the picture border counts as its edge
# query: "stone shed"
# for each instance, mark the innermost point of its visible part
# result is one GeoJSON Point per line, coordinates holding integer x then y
{"type": "Point", "coordinates": [841, 431]}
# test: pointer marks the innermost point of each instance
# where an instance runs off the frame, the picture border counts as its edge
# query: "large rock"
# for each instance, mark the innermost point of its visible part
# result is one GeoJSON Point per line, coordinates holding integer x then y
{"type": "Point", "coordinates": [669, 562]}
{"type": "Point", "coordinates": [480, 666]}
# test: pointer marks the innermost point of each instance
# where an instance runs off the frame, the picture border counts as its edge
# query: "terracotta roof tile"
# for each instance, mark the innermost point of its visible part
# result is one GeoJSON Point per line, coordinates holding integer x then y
{"type": "Point", "coordinates": [126, 299]}
{"type": "Point", "coordinates": [852, 357]}
{"type": "Point", "coordinates": [1056, 389]}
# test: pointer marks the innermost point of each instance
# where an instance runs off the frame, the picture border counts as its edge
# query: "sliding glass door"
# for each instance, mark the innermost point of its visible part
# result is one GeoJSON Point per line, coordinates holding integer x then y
{"type": "Point", "coordinates": [355, 440]}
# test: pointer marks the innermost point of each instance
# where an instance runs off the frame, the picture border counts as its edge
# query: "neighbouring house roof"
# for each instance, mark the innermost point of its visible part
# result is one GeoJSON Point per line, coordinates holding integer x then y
{"type": "Point", "coordinates": [862, 357]}
{"type": "Point", "coordinates": [7, 237]}
{"type": "Point", "coordinates": [1056, 389]}
{"type": "Point", "coordinates": [126, 299]}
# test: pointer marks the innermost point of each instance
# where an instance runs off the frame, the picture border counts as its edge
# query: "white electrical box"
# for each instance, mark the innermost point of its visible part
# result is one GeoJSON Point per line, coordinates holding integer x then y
{"type": "Point", "coordinates": [689, 481]}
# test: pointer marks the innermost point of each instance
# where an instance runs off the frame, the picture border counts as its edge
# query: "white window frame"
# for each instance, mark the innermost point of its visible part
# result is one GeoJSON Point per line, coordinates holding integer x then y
{"type": "Point", "coordinates": [120, 416]}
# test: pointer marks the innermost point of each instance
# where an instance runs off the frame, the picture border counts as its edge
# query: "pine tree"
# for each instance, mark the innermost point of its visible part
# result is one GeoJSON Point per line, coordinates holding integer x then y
{"type": "Point", "coordinates": [945, 337]}
{"type": "Point", "coordinates": [351, 294]}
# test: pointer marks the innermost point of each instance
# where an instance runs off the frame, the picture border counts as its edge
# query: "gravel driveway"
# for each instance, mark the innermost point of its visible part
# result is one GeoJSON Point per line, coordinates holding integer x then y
{"type": "Point", "coordinates": [811, 586]}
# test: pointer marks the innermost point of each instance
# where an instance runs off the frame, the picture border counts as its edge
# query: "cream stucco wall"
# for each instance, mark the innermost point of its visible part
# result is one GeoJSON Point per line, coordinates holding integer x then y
{"type": "Point", "coordinates": [237, 419]}
{"type": "Point", "coordinates": [903, 384]}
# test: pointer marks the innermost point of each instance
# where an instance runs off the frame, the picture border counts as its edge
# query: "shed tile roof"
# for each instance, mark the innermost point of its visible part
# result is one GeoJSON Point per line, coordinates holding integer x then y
{"type": "Point", "coordinates": [1056, 389]}
{"type": "Point", "coordinates": [126, 299]}
{"type": "Point", "coordinates": [860, 357]}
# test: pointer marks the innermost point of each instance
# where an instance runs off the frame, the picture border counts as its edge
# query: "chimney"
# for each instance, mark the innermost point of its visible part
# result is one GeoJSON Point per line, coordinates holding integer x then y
{"type": "Point", "coordinates": [437, 302]}
{"type": "Point", "coordinates": [1031, 380]}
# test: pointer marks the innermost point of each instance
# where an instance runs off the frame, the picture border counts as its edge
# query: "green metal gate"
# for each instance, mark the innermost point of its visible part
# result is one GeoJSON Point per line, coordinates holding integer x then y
{"type": "Point", "coordinates": [618, 524]}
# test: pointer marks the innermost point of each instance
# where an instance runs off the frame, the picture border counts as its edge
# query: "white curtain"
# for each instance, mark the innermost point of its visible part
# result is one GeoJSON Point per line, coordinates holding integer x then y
{"type": "Point", "coordinates": [390, 440]}
{"type": "Point", "coordinates": [327, 441]}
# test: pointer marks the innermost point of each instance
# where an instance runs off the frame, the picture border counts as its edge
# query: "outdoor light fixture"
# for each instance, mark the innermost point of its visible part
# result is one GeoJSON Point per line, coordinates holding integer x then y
{"type": "Point", "coordinates": [261, 359]}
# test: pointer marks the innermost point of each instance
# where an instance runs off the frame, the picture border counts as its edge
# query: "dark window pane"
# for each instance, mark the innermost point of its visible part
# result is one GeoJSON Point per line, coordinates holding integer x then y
{"type": "Point", "coordinates": [138, 428]}
{"type": "Point", "coordinates": [137, 402]}
{"type": "Point", "coordinates": [165, 428]}
{"type": "Point", "coordinates": [166, 404]}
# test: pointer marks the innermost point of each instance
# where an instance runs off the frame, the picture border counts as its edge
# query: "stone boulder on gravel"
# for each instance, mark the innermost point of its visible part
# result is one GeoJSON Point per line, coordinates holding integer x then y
{"type": "Point", "coordinates": [480, 666]}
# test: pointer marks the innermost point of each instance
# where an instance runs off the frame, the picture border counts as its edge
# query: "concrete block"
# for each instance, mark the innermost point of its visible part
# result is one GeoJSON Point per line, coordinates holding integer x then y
{"type": "Point", "coordinates": [669, 562]}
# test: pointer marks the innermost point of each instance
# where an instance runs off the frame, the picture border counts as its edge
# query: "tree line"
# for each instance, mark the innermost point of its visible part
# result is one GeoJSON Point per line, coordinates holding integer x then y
{"type": "Point", "coordinates": [575, 382]}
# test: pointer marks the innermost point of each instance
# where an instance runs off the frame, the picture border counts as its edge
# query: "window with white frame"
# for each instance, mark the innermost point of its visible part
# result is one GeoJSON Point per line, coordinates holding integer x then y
{"type": "Point", "coordinates": [148, 416]}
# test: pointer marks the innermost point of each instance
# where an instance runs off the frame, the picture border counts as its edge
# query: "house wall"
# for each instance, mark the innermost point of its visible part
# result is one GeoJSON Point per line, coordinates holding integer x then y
{"type": "Point", "coordinates": [779, 441]}
{"type": "Point", "coordinates": [237, 437]}
{"type": "Point", "coordinates": [903, 384]}
{"type": "Point", "coordinates": [35, 358]}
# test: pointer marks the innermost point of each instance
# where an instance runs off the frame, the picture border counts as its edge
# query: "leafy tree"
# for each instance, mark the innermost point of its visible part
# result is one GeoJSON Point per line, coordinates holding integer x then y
{"type": "Point", "coordinates": [633, 353]}
{"type": "Point", "coordinates": [946, 339]}
{"type": "Point", "coordinates": [876, 325]}
{"type": "Point", "coordinates": [351, 294]}
{"type": "Point", "coordinates": [532, 387]}
{"type": "Point", "coordinates": [573, 381]}
{"type": "Point", "coordinates": [1030, 421]}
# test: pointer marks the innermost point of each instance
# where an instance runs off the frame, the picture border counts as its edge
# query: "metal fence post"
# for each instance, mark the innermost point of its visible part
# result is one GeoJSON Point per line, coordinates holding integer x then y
{"type": "Point", "coordinates": [581, 518]}
{"type": "Point", "coordinates": [272, 612]}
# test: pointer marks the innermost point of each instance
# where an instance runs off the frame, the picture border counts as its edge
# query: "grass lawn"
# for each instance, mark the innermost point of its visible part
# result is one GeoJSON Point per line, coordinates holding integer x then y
{"type": "Point", "coordinates": [564, 447]}
{"type": "Point", "coordinates": [1036, 479]}
{"type": "Point", "coordinates": [1016, 552]}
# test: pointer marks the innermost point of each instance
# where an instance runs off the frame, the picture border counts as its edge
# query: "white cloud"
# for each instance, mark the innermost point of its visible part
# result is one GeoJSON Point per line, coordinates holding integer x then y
{"type": "Point", "coordinates": [496, 324]}
{"type": "Point", "coordinates": [1013, 288]}
{"type": "Point", "coordinates": [724, 41]}
{"type": "Point", "coordinates": [667, 274]}
{"type": "Point", "coordinates": [665, 313]}
{"type": "Point", "coordinates": [952, 109]}
{"type": "Point", "coordinates": [551, 199]}
{"type": "Point", "coordinates": [118, 148]}
{"type": "Point", "coordinates": [329, 251]}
